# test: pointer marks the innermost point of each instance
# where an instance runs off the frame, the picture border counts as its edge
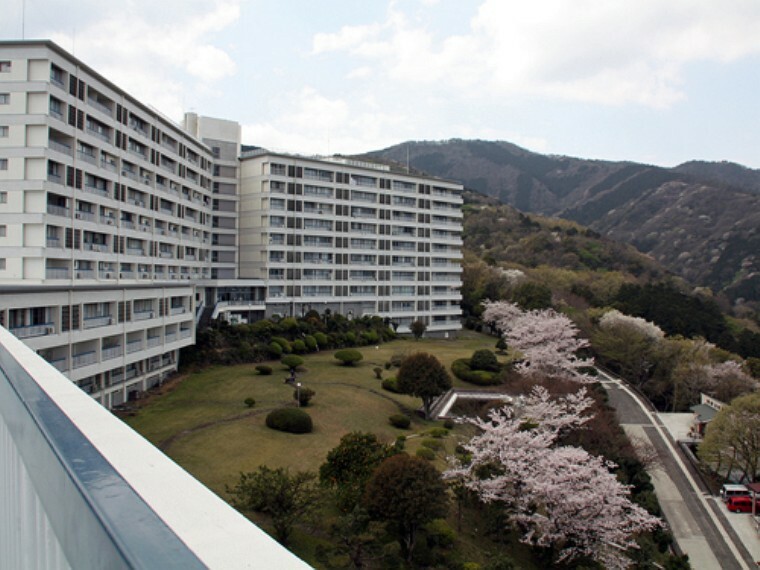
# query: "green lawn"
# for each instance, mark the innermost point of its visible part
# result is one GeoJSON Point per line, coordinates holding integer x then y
{"type": "Point", "coordinates": [204, 425]}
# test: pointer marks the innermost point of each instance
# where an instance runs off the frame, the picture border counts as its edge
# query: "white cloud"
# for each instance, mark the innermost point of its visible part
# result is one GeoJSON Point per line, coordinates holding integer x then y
{"type": "Point", "coordinates": [601, 51]}
{"type": "Point", "coordinates": [160, 54]}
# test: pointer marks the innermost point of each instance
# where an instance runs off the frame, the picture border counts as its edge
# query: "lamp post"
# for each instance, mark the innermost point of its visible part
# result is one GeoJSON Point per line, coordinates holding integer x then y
{"type": "Point", "coordinates": [298, 393]}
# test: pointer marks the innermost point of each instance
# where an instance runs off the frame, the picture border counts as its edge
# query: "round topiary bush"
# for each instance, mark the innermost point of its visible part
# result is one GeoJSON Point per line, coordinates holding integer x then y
{"type": "Point", "coordinates": [430, 443]}
{"type": "Point", "coordinates": [438, 432]}
{"type": "Point", "coordinates": [484, 360]}
{"type": "Point", "coordinates": [249, 402]}
{"type": "Point", "coordinates": [321, 339]}
{"type": "Point", "coordinates": [425, 453]}
{"type": "Point", "coordinates": [449, 423]}
{"type": "Point", "coordinates": [264, 369]}
{"type": "Point", "coordinates": [274, 349]}
{"type": "Point", "coordinates": [400, 421]}
{"type": "Point", "coordinates": [378, 372]}
{"type": "Point", "coordinates": [349, 356]}
{"type": "Point", "coordinates": [284, 344]}
{"type": "Point", "coordinates": [303, 396]}
{"type": "Point", "coordinates": [299, 346]}
{"type": "Point", "coordinates": [311, 343]}
{"type": "Point", "coordinates": [290, 420]}
{"type": "Point", "coordinates": [391, 384]}
{"type": "Point", "coordinates": [292, 361]}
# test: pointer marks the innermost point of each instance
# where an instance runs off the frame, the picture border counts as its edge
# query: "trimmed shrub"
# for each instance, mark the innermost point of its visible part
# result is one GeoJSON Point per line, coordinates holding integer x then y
{"type": "Point", "coordinates": [350, 338]}
{"type": "Point", "coordinates": [461, 369]}
{"type": "Point", "coordinates": [391, 384]}
{"type": "Point", "coordinates": [388, 365]}
{"type": "Point", "coordinates": [438, 432]}
{"type": "Point", "coordinates": [264, 369]}
{"type": "Point", "coordinates": [299, 346]}
{"type": "Point", "coordinates": [449, 424]}
{"type": "Point", "coordinates": [378, 372]}
{"type": "Point", "coordinates": [397, 358]}
{"type": "Point", "coordinates": [425, 453]}
{"type": "Point", "coordinates": [439, 533]}
{"type": "Point", "coordinates": [349, 356]}
{"type": "Point", "coordinates": [292, 361]}
{"type": "Point", "coordinates": [430, 443]}
{"type": "Point", "coordinates": [311, 343]}
{"type": "Point", "coordinates": [484, 360]}
{"type": "Point", "coordinates": [275, 349]}
{"type": "Point", "coordinates": [400, 443]}
{"type": "Point", "coordinates": [303, 396]}
{"type": "Point", "coordinates": [284, 343]}
{"type": "Point", "coordinates": [290, 420]}
{"type": "Point", "coordinates": [249, 402]}
{"type": "Point", "coordinates": [400, 421]}
{"type": "Point", "coordinates": [322, 340]}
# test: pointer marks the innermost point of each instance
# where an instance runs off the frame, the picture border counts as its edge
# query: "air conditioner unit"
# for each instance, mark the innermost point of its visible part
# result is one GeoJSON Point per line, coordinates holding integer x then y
{"type": "Point", "coordinates": [109, 222]}
{"type": "Point", "coordinates": [78, 216]}
{"type": "Point", "coordinates": [49, 330]}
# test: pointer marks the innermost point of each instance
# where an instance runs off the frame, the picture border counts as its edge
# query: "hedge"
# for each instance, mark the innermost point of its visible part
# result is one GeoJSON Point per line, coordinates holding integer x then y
{"type": "Point", "coordinates": [290, 420]}
{"type": "Point", "coordinates": [391, 384]}
{"type": "Point", "coordinates": [461, 369]}
{"type": "Point", "coordinates": [264, 369]}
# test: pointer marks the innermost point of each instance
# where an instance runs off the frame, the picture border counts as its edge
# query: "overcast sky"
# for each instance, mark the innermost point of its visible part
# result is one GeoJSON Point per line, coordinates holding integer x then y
{"type": "Point", "coordinates": [656, 81]}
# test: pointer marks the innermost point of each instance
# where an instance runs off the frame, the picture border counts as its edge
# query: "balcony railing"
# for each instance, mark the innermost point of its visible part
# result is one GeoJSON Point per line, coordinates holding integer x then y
{"type": "Point", "coordinates": [30, 331]}
{"type": "Point", "coordinates": [100, 321]}
{"type": "Point", "coordinates": [65, 458]}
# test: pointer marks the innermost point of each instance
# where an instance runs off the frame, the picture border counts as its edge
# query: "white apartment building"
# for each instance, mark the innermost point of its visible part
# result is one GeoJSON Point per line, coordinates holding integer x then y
{"type": "Point", "coordinates": [353, 237]}
{"type": "Point", "coordinates": [120, 230]}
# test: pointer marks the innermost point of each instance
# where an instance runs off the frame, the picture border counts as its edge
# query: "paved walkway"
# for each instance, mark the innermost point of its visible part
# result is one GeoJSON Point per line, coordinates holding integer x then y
{"type": "Point", "coordinates": [700, 530]}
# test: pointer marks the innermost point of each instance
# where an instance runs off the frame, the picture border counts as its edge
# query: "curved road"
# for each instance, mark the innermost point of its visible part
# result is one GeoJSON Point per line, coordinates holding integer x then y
{"type": "Point", "coordinates": [700, 529]}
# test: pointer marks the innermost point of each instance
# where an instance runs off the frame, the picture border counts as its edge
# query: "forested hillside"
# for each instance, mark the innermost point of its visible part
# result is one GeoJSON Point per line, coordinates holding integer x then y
{"type": "Point", "coordinates": [700, 220]}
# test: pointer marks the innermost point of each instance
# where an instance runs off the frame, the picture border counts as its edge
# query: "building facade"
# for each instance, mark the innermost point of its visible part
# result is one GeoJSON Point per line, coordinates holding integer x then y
{"type": "Point", "coordinates": [121, 231]}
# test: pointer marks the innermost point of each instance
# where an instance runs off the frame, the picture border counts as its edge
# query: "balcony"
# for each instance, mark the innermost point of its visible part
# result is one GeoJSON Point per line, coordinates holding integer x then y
{"type": "Point", "coordinates": [112, 352]}
{"type": "Point", "coordinates": [30, 331]}
{"type": "Point", "coordinates": [65, 458]}
{"type": "Point", "coordinates": [98, 321]}
{"type": "Point", "coordinates": [83, 359]}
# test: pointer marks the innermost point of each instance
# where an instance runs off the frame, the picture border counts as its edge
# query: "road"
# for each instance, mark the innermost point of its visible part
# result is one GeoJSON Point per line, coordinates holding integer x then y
{"type": "Point", "coordinates": [698, 526]}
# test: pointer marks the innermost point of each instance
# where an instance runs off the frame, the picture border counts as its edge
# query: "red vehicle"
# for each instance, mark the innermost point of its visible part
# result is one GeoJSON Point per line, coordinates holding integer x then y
{"type": "Point", "coordinates": [742, 505]}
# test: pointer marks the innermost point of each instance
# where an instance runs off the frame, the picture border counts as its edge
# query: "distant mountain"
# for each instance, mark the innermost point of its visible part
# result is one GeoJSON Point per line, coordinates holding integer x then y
{"type": "Point", "coordinates": [700, 220]}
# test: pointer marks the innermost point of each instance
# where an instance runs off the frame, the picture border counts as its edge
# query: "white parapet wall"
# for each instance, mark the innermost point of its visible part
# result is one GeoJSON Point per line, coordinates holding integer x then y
{"type": "Point", "coordinates": [81, 489]}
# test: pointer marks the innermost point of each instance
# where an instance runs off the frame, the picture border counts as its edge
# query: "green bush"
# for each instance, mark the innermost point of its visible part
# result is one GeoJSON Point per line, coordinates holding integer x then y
{"type": "Point", "coordinates": [461, 369]}
{"type": "Point", "coordinates": [284, 343]}
{"type": "Point", "coordinates": [391, 384]}
{"type": "Point", "coordinates": [299, 346]}
{"type": "Point", "coordinates": [449, 424]}
{"type": "Point", "coordinates": [439, 533]}
{"type": "Point", "coordinates": [275, 349]}
{"type": "Point", "coordinates": [370, 337]}
{"type": "Point", "coordinates": [425, 453]}
{"type": "Point", "coordinates": [438, 432]}
{"type": "Point", "coordinates": [400, 443]}
{"type": "Point", "coordinates": [264, 369]}
{"type": "Point", "coordinates": [290, 420]}
{"type": "Point", "coordinates": [430, 443]}
{"type": "Point", "coordinates": [484, 360]}
{"type": "Point", "coordinates": [249, 402]}
{"type": "Point", "coordinates": [349, 356]}
{"type": "Point", "coordinates": [397, 358]}
{"type": "Point", "coordinates": [378, 372]}
{"type": "Point", "coordinates": [292, 361]}
{"type": "Point", "coordinates": [311, 343]}
{"type": "Point", "coordinates": [400, 421]}
{"type": "Point", "coordinates": [322, 340]}
{"type": "Point", "coordinates": [388, 365]}
{"type": "Point", "coordinates": [303, 396]}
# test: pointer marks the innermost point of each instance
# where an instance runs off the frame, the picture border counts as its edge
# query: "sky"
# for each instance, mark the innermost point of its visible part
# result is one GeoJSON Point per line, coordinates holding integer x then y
{"type": "Point", "coordinates": [654, 81]}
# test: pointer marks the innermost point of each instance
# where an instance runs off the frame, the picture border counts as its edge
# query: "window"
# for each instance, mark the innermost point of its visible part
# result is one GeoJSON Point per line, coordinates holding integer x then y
{"type": "Point", "coordinates": [5, 98]}
{"type": "Point", "coordinates": [3, 164]}
{"type": "Point", "coordinates": [2, 264]}
{"type": "Point", "coordinates": [5, 66]}
{"type": "Point", "coordinates": [3, 230]}
{"type": "Point", "coordinates": [3, 131]}
{"type": "Point", "coordinates": [3, 197]}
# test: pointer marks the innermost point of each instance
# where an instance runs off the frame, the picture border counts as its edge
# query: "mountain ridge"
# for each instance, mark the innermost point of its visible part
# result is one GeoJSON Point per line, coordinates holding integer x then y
{"type": "Point", "coordinates": [700, 219]}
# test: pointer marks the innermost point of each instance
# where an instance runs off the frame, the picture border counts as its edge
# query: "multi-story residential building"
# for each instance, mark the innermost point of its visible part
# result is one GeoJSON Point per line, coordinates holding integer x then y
{"type": "Point", "coordinates": [353, 237]}
{"type": "Point", "coordinates": [105, 223]}
{"type": "Point", "coordinates": [120, 230]}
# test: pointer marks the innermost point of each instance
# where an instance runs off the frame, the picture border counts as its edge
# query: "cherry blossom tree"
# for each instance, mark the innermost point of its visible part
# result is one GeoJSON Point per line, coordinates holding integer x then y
{"type": "Point", "coordinates": [547, 340]}
{"type": "Point", "coordinates": [560, 496]}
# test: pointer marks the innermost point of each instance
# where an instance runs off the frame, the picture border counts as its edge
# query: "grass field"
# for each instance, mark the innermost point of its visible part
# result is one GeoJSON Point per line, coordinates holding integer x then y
{"type": "Point", "coordinates": [204, 425]}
